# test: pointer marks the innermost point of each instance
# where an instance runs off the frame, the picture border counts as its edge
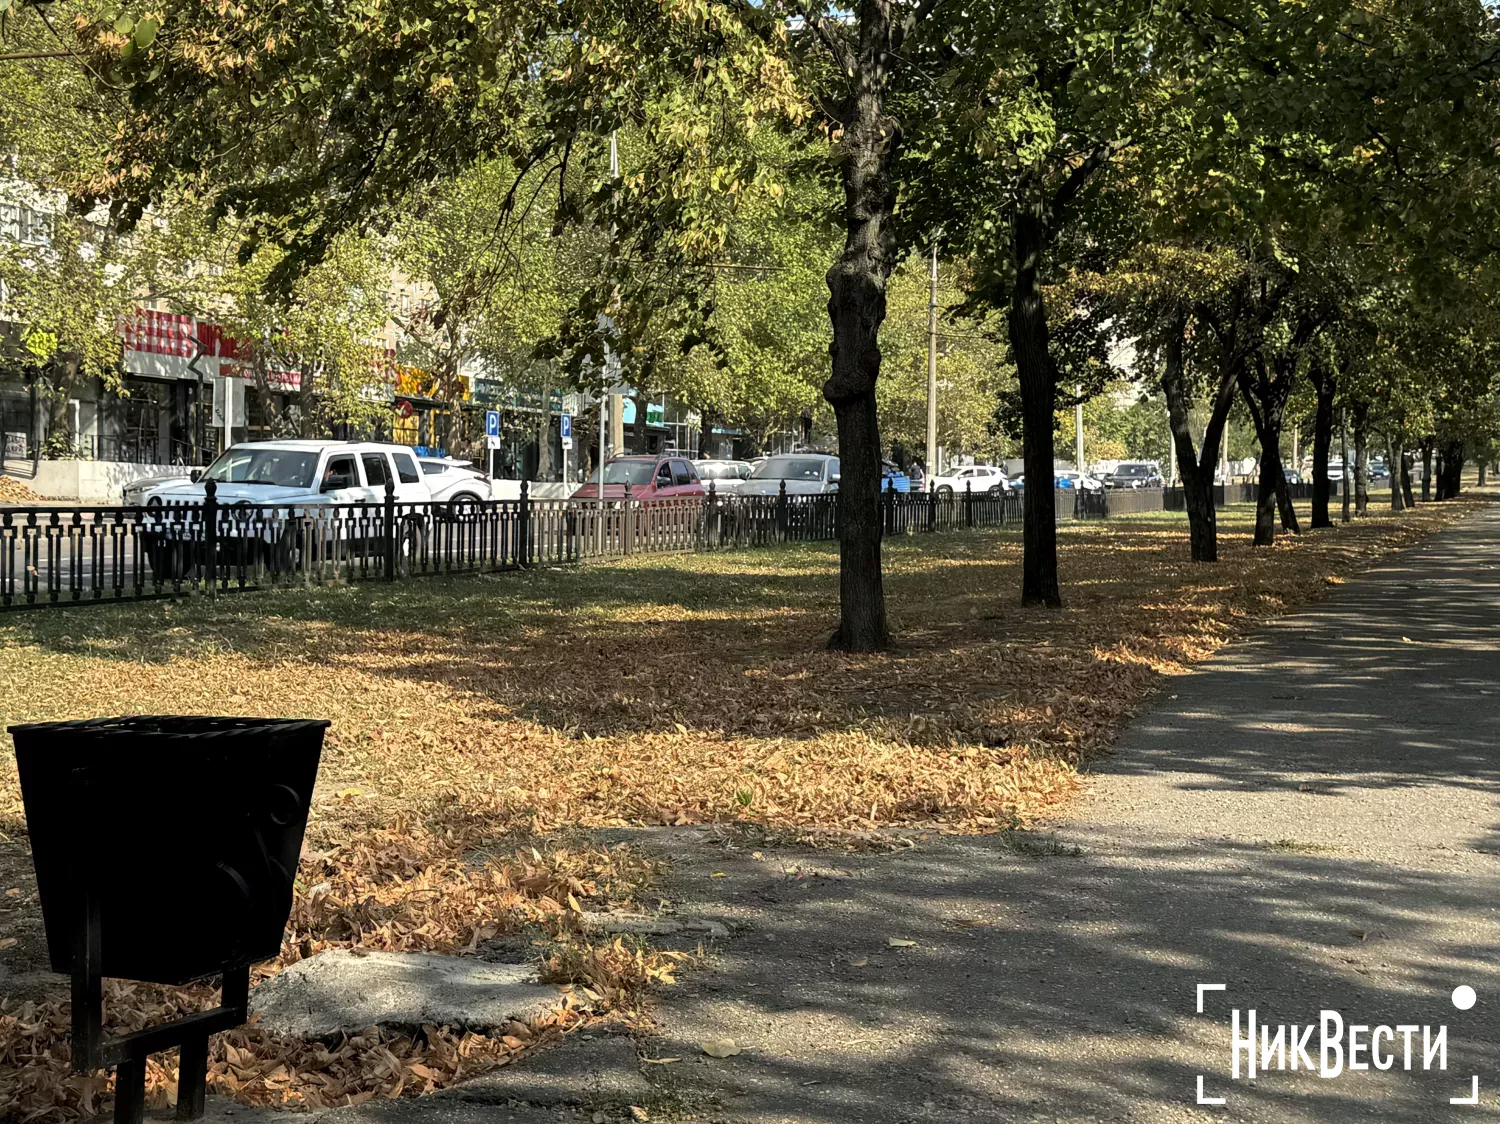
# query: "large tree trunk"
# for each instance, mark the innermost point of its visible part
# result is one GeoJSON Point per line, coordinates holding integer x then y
{"type": "Point", "coordinates": [1361, 459]}
{"type": "Point", "coordinates": [1194, 467]}
{"type": "Point", "coordinates": [1450, 479]}
{"type": "Point", "coordinates": [1265, 497]}
{"type": "Point", "coordinates": [1265, 397]}
{"type": "Point", "coordinates": [1326, 383]}
{"type": "Point", "coordinates": [1426, 469]}
{"type": "Point", "coordinates": [1393, 462]}
{"type": "Point", "coordinates": [1406, 492]}
{"type": "Point", "coordinates": [856, 309]}
{"type": "Point", "coordinates": [1038, 379]}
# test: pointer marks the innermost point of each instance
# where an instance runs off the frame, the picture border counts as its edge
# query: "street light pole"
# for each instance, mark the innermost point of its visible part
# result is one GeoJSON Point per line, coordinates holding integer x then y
{"type": "Point", "coordinates": [1078, 429]}
{"type": "Point", "coordinates": [611, 365]}
{"type": "Point", "coordinates": [932, 465]}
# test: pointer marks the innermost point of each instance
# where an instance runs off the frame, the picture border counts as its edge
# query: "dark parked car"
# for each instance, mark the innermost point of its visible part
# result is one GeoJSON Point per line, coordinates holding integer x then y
{"type": "Point", "coordinates": [1134, 474]}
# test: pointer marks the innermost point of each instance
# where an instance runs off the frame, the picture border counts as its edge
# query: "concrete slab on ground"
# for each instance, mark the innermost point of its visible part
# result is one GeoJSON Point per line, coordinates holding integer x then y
{"type": "Point", "coordinates": [347, 990]}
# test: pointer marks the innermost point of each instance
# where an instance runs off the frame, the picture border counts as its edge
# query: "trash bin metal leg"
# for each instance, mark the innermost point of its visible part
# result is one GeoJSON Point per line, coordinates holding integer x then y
{"type": "Point", "coordinates": [192, 1075]}
{"type": "Point", "coordinates": [88, 987]}
{"type": "Point", "coordinates": [234, 993]}
{"type": "Point", "coordinates": [130, 1091]}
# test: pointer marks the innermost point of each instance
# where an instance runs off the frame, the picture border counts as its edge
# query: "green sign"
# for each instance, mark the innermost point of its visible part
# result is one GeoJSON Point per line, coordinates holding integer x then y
{"type": "Point", "coordinates": [493, 392]}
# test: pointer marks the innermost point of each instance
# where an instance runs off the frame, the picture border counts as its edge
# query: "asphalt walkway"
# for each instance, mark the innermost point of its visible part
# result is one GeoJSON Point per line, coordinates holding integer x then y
{"type": "Point", "coordinates": [1310, 820]}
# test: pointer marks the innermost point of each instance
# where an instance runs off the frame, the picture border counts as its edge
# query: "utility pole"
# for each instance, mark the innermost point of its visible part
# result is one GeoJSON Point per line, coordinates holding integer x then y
{"type": "Point", "coordinates": [932, 465]}
{"type": "Point", "coordinates": [611, 367]}
{"type": "Point", "coordinates": [1346, 485]}
{"type": "Point", "coordinates": [1171, 477]}
{"type": "Point", "coordinates": [1078, 429]}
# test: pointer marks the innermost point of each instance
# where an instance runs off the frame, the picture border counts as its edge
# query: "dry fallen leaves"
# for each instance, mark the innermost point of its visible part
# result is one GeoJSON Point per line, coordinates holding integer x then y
{"type": "Point", "coordinates": [521, 703]}
{"type": "Point", "coordinates": [720, 1047]}
{"type": "Point", "coordinates": [398, 888]}
{"type": "Point", "coordinates": [13, 491]}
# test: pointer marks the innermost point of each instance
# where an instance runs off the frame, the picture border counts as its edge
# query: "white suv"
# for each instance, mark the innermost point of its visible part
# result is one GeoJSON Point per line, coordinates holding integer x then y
{"type": "Point", "coordinates": [980, 479]}
{"type": "Point", "coordinates": [302, 473]}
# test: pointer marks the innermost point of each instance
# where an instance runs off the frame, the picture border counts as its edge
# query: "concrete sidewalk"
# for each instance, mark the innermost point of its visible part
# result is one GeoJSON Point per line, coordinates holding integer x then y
{"type": "Point", "coordinates": [1310, 820]}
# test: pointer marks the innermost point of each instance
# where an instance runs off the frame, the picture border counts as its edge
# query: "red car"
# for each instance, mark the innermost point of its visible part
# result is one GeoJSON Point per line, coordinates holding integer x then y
{"type": "Point", "coordinates": [643, 478]}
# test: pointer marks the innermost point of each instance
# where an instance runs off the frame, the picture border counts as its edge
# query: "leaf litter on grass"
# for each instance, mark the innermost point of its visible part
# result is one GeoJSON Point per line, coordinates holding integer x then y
{"type": "Point", "coordinates": [678, 690]}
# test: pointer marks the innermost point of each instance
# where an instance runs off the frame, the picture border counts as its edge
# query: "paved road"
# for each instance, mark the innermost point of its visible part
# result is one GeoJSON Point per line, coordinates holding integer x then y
{"type": "Point", "coordinates": [1310, 820]}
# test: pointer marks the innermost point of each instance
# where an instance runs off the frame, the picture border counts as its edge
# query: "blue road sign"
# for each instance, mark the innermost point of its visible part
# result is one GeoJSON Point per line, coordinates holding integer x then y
{"type": "Point", "coordinates": [565, 426]}
{"type": "Point", "coordinates": [492, 423]}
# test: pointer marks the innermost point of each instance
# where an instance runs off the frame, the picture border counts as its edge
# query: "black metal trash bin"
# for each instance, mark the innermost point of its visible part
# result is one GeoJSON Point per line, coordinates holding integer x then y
{"type": "Point", "coordinates": [165, 850]}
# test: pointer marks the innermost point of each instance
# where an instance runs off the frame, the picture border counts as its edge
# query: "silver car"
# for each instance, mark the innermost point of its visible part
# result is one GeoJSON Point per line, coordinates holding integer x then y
{"type": "Point", "coordinates": [804, 474]}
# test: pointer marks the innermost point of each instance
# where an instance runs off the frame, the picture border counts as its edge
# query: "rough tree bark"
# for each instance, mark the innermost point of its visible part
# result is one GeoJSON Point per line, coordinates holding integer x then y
{"type": "Point", "coordinates": [1406, 492]}
{"type": "Point", "coordinates": [1361, 412]}
{"type": "Point", "coordinates": [1038, 379]}
{"type": "Point", "coordinates": [1426, 469]}
{"type": "Point", "coordinates": [856, 309]}
{"type": "Point", "coordinates": [1325, 383]}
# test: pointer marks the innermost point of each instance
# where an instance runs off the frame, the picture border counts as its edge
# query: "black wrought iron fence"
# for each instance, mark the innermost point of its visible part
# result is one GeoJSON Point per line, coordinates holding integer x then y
{"type": "Point", "coordinates": [65, 555]}
{"type": "Point", "coordinates": [59, 555]}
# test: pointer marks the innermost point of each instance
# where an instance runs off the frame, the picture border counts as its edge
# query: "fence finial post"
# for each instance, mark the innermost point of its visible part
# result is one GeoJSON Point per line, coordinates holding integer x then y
{"type": "Point", "coordinates": [523, 546]}
{"type": "Point", "coordinates": [390, 529]}
{"type": "Point", "coordinates": [211, 535]}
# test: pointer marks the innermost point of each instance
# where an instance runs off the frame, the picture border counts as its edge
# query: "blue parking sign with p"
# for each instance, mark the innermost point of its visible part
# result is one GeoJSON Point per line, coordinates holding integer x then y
{"type": "Point", "coordinates": [565, 426]}
{"type": "Point", "coordinates": [492, 423]}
